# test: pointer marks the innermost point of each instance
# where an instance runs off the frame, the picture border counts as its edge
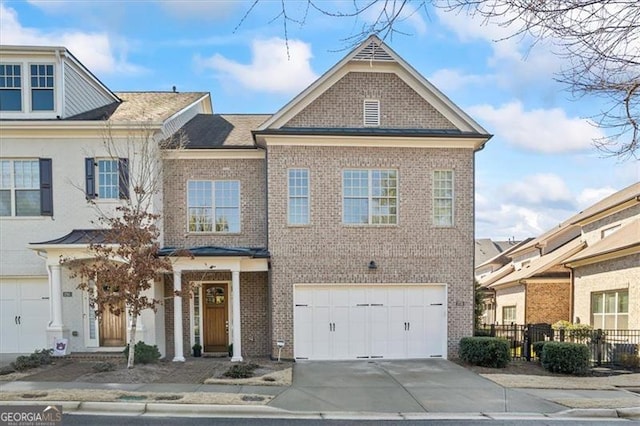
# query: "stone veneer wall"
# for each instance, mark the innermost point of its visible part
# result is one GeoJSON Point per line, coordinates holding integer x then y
{"type": "Point", "coordinates": [254, 311]}
{"type": "Point", "coordinates": [414, 251]}
{"type": "Point", "coordinates": [342, 105]}
{"type": "Point", "coordinates": [616, 274]}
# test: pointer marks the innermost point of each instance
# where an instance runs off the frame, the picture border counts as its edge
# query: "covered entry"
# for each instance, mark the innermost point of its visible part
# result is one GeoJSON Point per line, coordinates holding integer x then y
{"type": "Point", "coordinates": [394, 321]}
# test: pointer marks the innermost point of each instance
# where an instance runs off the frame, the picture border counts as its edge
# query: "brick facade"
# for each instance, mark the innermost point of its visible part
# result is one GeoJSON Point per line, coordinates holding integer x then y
{"type": "Point", "coordinates": [615, 274]}
{"type": "Point", "coordinates": [342, 105]}
{"type": "Point", "coordinates": [250, 173]}
{"type": "Point", "coordinates": [414, 251]}
{"type": "Point", "coordinates": [547, 302]}
{"type": "Point", "coordinates": [254, 310]}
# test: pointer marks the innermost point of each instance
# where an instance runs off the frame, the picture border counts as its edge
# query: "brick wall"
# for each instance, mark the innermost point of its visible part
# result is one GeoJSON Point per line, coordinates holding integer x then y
{"type": "Point", "coordinates": [254, 308]}
{"type": "Point", "coordinates": [547, 302]}
{"type": "Point", "coordinates": [616, 274]}
{"type": "Point", "coordinates": [250, 173]}
{"type": "Point", "coordinates": [342, 104]}
{"type": "Point", "coordinates": [414, 251]}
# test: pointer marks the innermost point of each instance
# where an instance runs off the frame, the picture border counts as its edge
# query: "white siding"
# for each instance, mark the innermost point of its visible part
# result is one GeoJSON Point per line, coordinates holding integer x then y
{"type": "Point", "coordinates": [172, 125]}
{"type": "Point", "coordinates": [81, 95]}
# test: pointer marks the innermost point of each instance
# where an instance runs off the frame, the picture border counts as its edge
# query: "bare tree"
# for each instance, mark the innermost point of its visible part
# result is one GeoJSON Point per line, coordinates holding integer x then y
{"type": "Point", "coordinates": [125, 263]}
{"type": "Point", "coordinates": [600, 40]}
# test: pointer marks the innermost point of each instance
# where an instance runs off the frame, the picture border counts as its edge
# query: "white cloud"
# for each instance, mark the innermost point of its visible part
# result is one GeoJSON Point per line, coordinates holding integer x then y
{"type": "Point", "coordinates": [542, 189]}
{"type": "Point", "coordinates": [204, 10]}
{"type": "Point", "coordinates": [271, 69]}
{"type": "Point", "coordinates": [453, 79]}
{"type": "Point", "coordinates": [590, 196]}
{"type": "Point", "coordinates": [93, 49]}
{"type": "Point", "coordinates": [542, 130]}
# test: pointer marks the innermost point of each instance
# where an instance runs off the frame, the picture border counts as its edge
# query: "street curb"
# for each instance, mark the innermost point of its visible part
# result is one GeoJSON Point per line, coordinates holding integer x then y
{"type": "Point", "coordinates": [205, 410]}
{"type": "Point", "coordinates": [112, 408]}
{"type": "Point", "coordinates": [629, 413]}
{"type": "Point", "coordinates": [587, 412]}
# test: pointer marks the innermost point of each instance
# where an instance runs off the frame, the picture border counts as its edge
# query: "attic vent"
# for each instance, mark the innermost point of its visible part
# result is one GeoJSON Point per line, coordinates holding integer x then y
{"type": "Point", "coordinates": [372, 52]}
{"type": "Point", "coordinates": [371, 112]}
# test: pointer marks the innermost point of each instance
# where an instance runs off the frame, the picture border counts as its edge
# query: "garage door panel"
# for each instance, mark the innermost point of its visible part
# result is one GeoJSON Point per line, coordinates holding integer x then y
{"type": "Point", "coordinates": [355, 321]}
{"type": "Point", "coordinates": [33, 324]}
{"type": "Point", "coordinates": [9, 335]}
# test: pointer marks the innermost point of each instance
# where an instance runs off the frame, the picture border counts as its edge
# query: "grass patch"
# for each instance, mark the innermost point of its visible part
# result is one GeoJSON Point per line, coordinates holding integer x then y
{"type": "Point", "coordinates": [34, 395]}
{"type": "Point", "coordinates": [131, 397]}
{"type": "Point", "coordinates": [241, 371]}
{"type": "Point", "coordinates": [252, 398]}
{"type": "Point", "coordinates": [168, 397]}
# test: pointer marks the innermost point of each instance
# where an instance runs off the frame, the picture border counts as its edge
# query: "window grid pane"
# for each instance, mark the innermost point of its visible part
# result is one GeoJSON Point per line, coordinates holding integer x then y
{"type": "Point", "coordinates": [10, 87]}
{"type": "Point", "coordinates": [609, 310]}
{"type": "Point", "coordinates": [298, 197]}
{"type": "Point", "coordinates": [370, 197]}
{"type": "Point", "coordinates": [443, 198]}
{"type": "Point", "coordinates": [213, 206]}
{"type": "Point", "coordinates": [108, 186]}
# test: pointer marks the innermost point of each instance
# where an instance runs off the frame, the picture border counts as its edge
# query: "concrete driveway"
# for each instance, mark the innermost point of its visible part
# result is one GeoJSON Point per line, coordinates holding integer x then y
{"type": "Point", "coordinates": [434, 385]}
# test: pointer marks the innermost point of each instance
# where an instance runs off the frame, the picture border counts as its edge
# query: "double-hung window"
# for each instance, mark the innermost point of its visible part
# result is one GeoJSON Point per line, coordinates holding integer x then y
{"type": "Point", "coordinates": [610, 310]}
{"type": "Point", "coordinates": [107, 178]}
{"type": "Point", "coordinates": [10, 87]}
{"type": "Point", "coordinates": [213, 206]}
{"type": "Point", "coordinates": [370, 197]}
{"type": "Point", "coordinates": [42, 87]}
{"type": "Point", "coordinates": [298, 197]}
{"type": "Point", "coordinates": [443, 198]}
{"type": "Point", "coordinates": [25, 187]}
{"type": "Point", "coordinates": [508, 314]}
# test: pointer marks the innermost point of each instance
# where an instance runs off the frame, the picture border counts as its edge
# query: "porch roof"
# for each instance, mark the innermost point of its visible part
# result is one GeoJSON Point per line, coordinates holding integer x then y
{"type": "Point", "coordinates": [214, 251]}
{"type": "Point", "coordinates": [77, 236]}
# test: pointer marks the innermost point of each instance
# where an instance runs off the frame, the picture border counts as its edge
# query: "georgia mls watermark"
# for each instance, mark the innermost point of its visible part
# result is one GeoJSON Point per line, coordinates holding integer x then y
{"type": "Point", "coordinates": [31, 415]}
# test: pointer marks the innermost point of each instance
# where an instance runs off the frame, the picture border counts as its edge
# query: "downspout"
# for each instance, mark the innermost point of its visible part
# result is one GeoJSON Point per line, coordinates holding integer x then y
{"type": "Point", "coordinates": [61, 84]}
{"type": "Point", "coordinates": [572, 290]}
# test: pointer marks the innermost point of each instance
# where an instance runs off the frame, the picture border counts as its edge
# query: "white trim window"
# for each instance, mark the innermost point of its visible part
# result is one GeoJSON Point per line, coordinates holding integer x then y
{"type": "Point", "coordinates": [42, 98]}
{"type": "Point", "coordinates": [610, 310]}
{"type": "Point", "coordinates": [370, 197]}
{"type": "Point", "coordinates": [443, 198]}
{"type": "Point", "coordinates": [10, 87]}
{"type": "Point", "coordinates": [508, 314]}
{"type": "Point", "coordinates": [298, 183]}
{"type": "Point", "coordinates": [213, 206]}
{"type": "Point", "coordinates": [108, 182]}
{"type": "Point", "coordinates": [20, 188]}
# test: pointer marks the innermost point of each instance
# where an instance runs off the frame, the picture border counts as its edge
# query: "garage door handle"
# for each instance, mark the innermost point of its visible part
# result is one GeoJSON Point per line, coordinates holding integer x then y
{"type": "Point", "coordinates": [15, 319]}
{"type": "Point", "coordinates": [19, 320]}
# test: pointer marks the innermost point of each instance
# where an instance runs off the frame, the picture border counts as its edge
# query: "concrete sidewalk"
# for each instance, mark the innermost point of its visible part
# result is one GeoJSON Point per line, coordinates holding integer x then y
{"type": "Point", "coordinates": [384, 389]}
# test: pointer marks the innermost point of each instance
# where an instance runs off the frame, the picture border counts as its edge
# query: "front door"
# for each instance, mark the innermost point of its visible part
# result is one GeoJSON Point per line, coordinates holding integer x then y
{"type": "Point", "coordinates": [215, 318]}
{"type": "Point", "coordinates": [112, 328]}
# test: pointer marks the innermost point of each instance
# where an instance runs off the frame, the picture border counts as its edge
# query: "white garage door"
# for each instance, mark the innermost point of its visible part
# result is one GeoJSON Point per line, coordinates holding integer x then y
{"type": "Point", "coordinates": [365, 321]}
{"type": "Point", "coordinates": [24, 313]}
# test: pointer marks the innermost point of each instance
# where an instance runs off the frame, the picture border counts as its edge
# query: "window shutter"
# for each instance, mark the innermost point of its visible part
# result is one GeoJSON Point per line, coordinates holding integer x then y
{"type": "Point", "coordinates": [46, 187]}
{"type": "Point", "coordinates": [371, 112]}
{"type": "Point", "coordinates": [123, 178]}
{"type": "Point", "coordinates": [90, 178]}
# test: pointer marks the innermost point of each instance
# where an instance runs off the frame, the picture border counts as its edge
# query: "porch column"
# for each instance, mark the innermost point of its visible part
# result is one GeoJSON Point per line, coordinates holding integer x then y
{"type": "Point", "coordinates": [177, 318]}
{"type": "Point", "coordinates": [237, 332]}
{"type": "Point", "coordinates": [56, 297]}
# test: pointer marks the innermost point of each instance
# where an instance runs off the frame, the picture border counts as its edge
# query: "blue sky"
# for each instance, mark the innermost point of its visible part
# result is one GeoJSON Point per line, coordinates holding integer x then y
{"type": "Point", "coordinates": [539, 168]}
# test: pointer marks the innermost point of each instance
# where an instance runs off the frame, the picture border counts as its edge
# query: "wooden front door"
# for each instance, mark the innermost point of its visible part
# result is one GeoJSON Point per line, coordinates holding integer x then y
{"type": "Point", "coordinates": [112, 329]}
{"type": "Point", "coordinates": [215, 318]}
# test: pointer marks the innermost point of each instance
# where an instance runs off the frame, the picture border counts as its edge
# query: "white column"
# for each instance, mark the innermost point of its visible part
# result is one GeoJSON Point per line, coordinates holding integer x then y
{"type": "Point", "coordinates": [177, 318]}
{"type": "Point", "coordinates": [56, 297]}
{"type": "Point", "coordinates": [237, 332]}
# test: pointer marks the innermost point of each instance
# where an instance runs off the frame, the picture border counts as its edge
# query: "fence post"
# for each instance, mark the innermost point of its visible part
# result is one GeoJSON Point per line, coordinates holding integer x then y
{"type": "Point", "coordinates": [599, 346]}
{"type": "Point", "coordinates": [562, 334]}
{"type": "Point", "coordinates": [493, 330]}
{"type": "Point", "coordinates": [527, 342]}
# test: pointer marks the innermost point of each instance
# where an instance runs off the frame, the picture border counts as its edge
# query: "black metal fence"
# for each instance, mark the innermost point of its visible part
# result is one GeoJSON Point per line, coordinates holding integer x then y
{"type": "Point", "coordinates": [608, 347]}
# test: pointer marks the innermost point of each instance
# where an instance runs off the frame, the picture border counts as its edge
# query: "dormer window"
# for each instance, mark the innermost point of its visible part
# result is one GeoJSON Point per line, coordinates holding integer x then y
{"type": "Point", "coordinates": [42, 87]}
{"type": "Point", "coordinates": [371, 112]}
{"type": "Point", "coordinates": [10, 87]}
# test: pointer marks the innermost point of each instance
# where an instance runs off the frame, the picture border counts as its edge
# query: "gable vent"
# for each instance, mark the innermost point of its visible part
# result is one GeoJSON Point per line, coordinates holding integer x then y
{"type": "Point", "coordinates": [371, 112]}
{"type": "Point", "coordinates": [372, 52]}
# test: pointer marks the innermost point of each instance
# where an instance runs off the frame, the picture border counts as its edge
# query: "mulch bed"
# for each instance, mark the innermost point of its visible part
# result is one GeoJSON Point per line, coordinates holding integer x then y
{"type": "Point", "coordinates": [534, 368]}
{"type": "Point", "coordinates": [193, 371]}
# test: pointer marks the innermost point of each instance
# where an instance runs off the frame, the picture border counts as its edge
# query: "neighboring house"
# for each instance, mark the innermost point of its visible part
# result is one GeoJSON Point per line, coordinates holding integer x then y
{"type": "Point", "coordinates": [340, 227]}
{"type": "Point", "coordinates": [606, 274]}
{"type": "Point", "coordinates": [54, 117]}
{"type": "Point", "coordinates": [583, 270]}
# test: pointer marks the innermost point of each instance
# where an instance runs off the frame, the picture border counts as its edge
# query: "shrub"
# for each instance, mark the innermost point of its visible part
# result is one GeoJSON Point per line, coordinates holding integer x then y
{"type": "Point", "coordinates": [241, 371]}
{"type": "Point", "coordinates": [35, 360]}
{"type": "Point", "coordinates": [485, 351]}
{"type": "Point", "coordinates": [479, 332]}
{"type": "Point", "coordinates": [630, 361]}
{"type": "Point", "coordinates": [103, 367]}
{"type": "Point", "coordinates": [564, 357]}
{"type": "Point", "coordinates": [143, 353]}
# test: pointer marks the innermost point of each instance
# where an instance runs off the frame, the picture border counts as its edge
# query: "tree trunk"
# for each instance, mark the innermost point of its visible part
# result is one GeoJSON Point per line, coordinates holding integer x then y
{"type": "Point", "coordinates": [132, 340]}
